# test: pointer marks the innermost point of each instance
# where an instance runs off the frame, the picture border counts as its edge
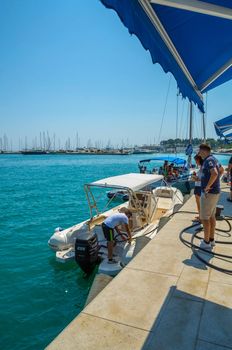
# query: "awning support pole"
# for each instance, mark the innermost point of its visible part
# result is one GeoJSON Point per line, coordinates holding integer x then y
{"type": "Point", "coordinates": [190, 133]}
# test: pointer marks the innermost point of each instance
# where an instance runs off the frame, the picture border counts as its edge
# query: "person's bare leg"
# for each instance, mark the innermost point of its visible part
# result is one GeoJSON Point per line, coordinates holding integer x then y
{"type": "Point", "coordinates": [110, 246]}
{"type": "Point", "coordinates": [206, 226]}
{"type": "Point", "coordinates": [212, 227]}
{"type": "Point", "coordinates": [198, 198]}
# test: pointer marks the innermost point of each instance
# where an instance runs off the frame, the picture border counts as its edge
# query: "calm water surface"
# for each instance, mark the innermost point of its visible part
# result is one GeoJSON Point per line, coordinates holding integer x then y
{"type": "Point", "coordinates": [39, 296]}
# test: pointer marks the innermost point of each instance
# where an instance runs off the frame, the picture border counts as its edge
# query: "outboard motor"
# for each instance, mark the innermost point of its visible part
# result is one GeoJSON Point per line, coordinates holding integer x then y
{"type": "Point", "coordinates": [86, 251]}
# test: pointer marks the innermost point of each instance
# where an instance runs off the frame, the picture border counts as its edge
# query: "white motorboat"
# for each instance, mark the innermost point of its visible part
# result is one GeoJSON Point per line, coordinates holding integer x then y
{"type": "Point", "coordinates": [86, 242]}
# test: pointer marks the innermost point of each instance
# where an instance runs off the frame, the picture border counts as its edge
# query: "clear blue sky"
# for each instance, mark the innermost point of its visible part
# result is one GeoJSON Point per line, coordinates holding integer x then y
{"type": "Point", "coordinates": [71, 66]}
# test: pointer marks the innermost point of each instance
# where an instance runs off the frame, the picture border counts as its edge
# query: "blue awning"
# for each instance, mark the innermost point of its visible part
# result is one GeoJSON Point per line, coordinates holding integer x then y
{"type": "Point", "coordinates": [175, 160]}
{"type": "Point", "coordinates": [229, 138]}
{"type": "Point", "coordinates": [191, 39]}
{"type": "Point", "coordinates": [222, 126]}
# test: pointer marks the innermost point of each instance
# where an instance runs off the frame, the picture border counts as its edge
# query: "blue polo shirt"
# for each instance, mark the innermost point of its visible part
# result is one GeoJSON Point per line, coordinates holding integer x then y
{"type": "Point", "coordinates": [209, 163]}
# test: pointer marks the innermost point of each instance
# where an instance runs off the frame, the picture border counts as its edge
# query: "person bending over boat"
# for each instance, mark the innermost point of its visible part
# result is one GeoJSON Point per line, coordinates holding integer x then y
{"type": "Point", "coordinates": [110, 224]}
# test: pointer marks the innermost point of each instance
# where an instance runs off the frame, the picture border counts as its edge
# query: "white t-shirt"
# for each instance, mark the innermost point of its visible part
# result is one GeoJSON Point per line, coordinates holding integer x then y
{"type": "Point", "coordinates": [199, 174]}
{"type": "Point", "coordinates": [116, 219]}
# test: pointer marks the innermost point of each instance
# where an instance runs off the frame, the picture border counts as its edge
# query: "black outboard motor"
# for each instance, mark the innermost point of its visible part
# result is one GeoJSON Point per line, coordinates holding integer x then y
{"type": "Point", "coordinates": [86, 251]}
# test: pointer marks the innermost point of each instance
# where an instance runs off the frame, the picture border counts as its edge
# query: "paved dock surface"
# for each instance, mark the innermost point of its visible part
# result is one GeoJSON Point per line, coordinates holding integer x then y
{"type": "Point", "coordinates": [165, 299]}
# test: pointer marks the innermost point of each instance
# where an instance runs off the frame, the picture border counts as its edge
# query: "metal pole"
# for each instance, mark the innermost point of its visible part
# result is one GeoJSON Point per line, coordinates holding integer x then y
{"type": "Point", "coordinates": [190, 133]}
{"type": "Point", "coordinates": [203, 124]}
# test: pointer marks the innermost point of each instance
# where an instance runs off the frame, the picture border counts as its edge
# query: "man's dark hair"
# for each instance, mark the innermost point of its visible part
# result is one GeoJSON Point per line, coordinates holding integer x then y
{"type": "Point", "coordinates": [198, 157]}
{"type": "Point", "coordinates": [205, 147]}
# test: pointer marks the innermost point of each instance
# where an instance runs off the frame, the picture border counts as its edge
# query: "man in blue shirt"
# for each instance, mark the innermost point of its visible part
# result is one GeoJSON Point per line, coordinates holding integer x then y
{"type": "Point", "coordinates": [210, 192]}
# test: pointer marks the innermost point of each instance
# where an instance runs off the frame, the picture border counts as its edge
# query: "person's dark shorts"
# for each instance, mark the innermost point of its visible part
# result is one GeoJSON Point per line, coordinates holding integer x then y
{"type": "Point", "coordinates": [108, 232]}
{"type": "Point", "coordinates": [197, 191]}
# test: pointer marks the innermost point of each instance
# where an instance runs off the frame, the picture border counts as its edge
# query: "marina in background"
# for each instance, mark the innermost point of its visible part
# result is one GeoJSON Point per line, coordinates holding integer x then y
{"type": "Point", "coordinates": [50, 146]}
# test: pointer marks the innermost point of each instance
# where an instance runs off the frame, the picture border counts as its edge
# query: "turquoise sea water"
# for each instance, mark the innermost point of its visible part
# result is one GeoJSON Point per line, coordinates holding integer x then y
{"type": "Point", "coordinates": [39, 296]}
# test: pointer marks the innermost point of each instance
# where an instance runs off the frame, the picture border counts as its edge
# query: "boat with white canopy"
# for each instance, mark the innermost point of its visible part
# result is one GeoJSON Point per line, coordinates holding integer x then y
{"type": "Point", "coordinates": [149, 201]}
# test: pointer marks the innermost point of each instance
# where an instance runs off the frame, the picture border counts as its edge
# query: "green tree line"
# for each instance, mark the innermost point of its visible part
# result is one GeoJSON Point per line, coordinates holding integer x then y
{"type": "Point", "coordinates": [195, 142]}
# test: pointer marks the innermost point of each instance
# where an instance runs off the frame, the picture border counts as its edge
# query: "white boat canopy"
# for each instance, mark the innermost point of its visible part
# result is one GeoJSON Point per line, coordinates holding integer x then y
{"type": "Point", "coordinates": [130, 181]}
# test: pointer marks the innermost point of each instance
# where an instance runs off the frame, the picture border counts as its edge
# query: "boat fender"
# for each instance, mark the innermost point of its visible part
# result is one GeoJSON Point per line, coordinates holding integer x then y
{"type": "Point", "coordinates": [58, 229]}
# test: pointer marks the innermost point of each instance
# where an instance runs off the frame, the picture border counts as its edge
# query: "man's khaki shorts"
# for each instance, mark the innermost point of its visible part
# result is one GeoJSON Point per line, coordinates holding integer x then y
{"type": "Point", "coordinates": [208, 205]}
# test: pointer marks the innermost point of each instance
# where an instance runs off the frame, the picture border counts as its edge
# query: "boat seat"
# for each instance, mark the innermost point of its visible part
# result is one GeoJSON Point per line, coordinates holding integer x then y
{"type": "Point", "coordinates": [136, 222]}
{"type": "Point", "coordinates": [159, 213]}
{"type": "Point", "coordinates": [98, 220]}
{"type": "Point", "coordinates": [164, 203]}
{"type": "Point", "coordinates": [163, 193]}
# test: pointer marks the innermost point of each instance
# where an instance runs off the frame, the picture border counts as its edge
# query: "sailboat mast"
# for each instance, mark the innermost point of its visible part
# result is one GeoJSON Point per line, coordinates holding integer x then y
{"type": "Point", "coordinates": [190, 133]}
{"type": "Point", "coordinates": [203, 125]}
{"type": "Point", "coordinates": [191, 123]}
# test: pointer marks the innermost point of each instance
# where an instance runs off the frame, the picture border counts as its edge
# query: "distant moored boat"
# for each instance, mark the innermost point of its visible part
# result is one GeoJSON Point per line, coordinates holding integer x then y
{"type": "Point", "coordinates": [32, 152]}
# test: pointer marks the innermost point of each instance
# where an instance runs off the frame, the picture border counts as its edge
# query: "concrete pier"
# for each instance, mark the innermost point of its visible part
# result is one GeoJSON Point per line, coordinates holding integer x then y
{"type": "Point", "coordinates": [164, 299]}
